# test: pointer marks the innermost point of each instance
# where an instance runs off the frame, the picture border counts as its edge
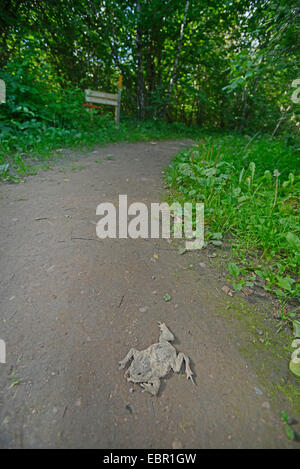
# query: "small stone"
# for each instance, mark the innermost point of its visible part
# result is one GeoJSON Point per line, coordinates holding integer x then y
{"type": "Point", "coordinates": [266, 405]}
{"type": "Point", "coordinates": [127, 407]}
{"type": "Point", "coordinates": [227, 290]}
{"type": "Point", "coordinates": [144, 309]}
{"type": "Point", "coordinates": [258, 391]}
{"type": "Point", "coordinates": [177, 444]}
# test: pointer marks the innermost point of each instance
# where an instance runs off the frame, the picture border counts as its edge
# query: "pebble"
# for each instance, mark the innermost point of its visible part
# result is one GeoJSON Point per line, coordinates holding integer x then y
{"type": "Point", "coordinates": [127, 407]}
{"type": "Point", "coordinates": [258, 391]}
{"type": "Point", "coordinates": [266, 405]}
{"type": "Point", "coordinates": [177, 444]}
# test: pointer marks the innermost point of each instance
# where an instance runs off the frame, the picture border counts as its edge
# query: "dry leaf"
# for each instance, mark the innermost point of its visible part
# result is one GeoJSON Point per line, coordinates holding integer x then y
{"type": "Point", "coordinates": [227, 290]}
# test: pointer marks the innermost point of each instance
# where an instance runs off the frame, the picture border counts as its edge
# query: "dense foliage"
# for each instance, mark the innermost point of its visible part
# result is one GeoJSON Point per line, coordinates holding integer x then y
{"type": "Point", "coordinates": [227, 64]}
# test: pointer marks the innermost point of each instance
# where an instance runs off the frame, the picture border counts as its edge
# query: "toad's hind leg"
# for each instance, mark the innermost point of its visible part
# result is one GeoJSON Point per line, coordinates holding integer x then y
{"type": "Point", "coordinates": [128, 357]}
{"type": "Point", "coordinates": [178, 362]}
{"type": "Point", "coordinates": [152, 386]}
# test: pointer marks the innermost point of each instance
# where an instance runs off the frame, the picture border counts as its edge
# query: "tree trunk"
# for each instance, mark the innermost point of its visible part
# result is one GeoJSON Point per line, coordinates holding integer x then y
{"type": "Point", "coordinates": [175, 65]}
{"type": "Point", "coordinates": [4, 55]}
{"type": "Point", "coordinates": [244, 101]}
{"type": "Point", "coordinates": [141, 86]}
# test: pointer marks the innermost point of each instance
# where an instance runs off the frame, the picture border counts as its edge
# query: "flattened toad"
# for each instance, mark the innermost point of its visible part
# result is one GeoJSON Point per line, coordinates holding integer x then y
{"type": "Point", "coordinates": [155, 362]}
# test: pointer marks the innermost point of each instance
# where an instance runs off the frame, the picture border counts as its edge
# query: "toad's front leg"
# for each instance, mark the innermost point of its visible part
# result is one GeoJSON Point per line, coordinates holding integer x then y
{"type": "Point", "coordinates": [152, 386]}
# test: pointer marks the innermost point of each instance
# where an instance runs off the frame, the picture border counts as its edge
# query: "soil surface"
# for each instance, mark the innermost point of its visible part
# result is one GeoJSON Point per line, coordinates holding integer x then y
{"type": "Point", "coordinates": [72, 306]}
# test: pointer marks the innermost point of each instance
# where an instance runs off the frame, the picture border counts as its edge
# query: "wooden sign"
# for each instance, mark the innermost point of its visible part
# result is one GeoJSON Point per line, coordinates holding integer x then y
{"type": "Point", "coordinates": [2, 92]}
{"type": "Point", "coordinates": [111, 99]}
{"type": "Point", "coordinates": [101, 98]}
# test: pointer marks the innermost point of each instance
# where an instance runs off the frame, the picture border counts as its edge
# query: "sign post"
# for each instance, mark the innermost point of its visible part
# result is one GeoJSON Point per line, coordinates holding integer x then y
{"type": "Point", "coordinates": [117, 111]}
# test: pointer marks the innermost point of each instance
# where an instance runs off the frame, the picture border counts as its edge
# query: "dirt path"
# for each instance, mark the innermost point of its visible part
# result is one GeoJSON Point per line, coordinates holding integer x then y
{"type": "Point", "coordinates": [72, 307]}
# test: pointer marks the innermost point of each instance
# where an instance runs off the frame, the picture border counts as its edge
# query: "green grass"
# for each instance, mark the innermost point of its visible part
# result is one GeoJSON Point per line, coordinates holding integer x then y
{"type": "Point", "coordinates": [24, 147]}
{"type": "Point", "coordinates": [251, 190]}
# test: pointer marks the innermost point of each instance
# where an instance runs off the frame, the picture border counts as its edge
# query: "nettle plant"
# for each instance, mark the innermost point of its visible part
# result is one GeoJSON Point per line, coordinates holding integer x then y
{"type": "Point", "coordinates": [197, 172]}
{"type": "Point", "coordinates": [258, 209]}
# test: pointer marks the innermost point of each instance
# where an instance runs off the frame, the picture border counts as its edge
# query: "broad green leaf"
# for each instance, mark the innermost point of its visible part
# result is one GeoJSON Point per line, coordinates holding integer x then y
{"type": "Point", "coordinates": [217, 235]}
{"type": "Point", "coordinates": [294, 364]}
{"type": "Point", "coordinates": [293, 241]}
{"type": "Point", "coordinates": [233, 269]}
{"type": "Point", "coordinates": [296, 326]}
{"type": "Point", "coordinates": [286, 283]}
{"type": "Point", "coordinates": [284, 416]}
{"type": "Point", "coordinates": [237, 286]}
{"type": "Point", "coordinates": [216, 242]}
{"type": "Point", "coordinates": [289, 432]}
